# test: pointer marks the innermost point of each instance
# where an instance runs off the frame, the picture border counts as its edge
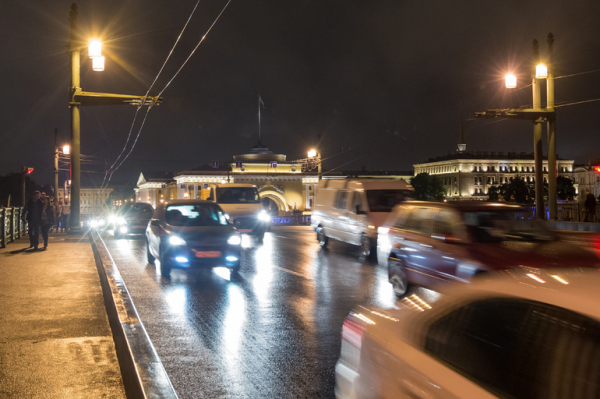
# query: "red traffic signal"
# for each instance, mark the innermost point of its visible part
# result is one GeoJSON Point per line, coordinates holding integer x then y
{"type": "Point", "coordinates": [597, 169]}
{"type": "Point", "coordinates": [29, 170]}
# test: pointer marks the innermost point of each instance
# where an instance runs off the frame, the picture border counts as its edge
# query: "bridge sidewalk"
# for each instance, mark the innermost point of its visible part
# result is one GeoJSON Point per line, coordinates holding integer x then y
{"type": "Point", "coordinates": [55, 340]}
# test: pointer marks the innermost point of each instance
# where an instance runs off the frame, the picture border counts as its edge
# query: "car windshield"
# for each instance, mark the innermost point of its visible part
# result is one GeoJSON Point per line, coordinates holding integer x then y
{"type": "Point", "coordinates": [195, 215]}
{"type": "Point", "coordinates": [384, 200]}
{"type": "Point", "coordinates": [496, 226]}
{"type": "Point", "coordinates": [237, 195]}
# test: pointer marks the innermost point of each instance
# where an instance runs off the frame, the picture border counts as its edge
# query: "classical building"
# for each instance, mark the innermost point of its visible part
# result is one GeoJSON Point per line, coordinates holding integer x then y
{"type": "Point", "coordinates": [586, 177]}
{"type": "Point", "coordinates": [469, 175]}
{"type": "Point", "coordinates": [91, 199]}
{"type": "Point", "coordinates": [282, 184]}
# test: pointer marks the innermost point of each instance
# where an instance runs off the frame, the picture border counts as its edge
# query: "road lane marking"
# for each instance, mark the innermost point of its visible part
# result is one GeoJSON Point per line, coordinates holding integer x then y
{"type": "Point", "coordinates": [294, 273]}
{"type": "Point", "coordinates": [287, 238]}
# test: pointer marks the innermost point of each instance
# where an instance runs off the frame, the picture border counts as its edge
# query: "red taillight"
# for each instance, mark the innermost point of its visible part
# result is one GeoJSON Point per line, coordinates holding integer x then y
{"type": "Point", "coordinates": [161, 231]}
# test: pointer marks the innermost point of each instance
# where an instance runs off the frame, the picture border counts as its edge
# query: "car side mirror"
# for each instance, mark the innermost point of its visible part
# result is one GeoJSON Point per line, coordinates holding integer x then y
{"type": "Point", "coordinates": [154, 222]}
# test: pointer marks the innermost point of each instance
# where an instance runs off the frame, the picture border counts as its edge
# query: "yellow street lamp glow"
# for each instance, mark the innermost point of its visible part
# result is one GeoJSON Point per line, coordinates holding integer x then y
{"type": "Point", "coordinates": [66, 149]}
{"type": "Point", "coordinates": [98, 64]}
{"type": "Point", "coordinates": [541, 71]}
{"type": "Point", "coordinates": [95, 48]}
{"type": "Point", "coordinates": [312, 153]}
{"type": "Point", "coordinates": [511, 81]}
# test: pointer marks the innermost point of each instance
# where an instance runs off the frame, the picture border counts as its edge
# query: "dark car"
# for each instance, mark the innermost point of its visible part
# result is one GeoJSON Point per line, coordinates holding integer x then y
{"type": "Point", "coordinates": [430, 243]}
{"type": "Point", "coordinates": [192, 233]}
{"type": "Point", "coordinates": [132, 218]}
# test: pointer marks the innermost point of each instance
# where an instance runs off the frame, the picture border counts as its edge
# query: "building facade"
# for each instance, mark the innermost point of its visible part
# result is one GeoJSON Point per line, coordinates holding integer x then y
{"type": "Point", "coordinates": [283, 185]}
{"type": "Point", "coordinates": [91, 201]}
{"type": "Point", "coordinates": [469, 175]}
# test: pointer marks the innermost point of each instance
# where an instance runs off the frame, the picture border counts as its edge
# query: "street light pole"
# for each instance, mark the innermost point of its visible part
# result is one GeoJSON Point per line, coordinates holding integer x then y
{"type": "Point", "coordinates": [552, 192]}
{"type": "Point", "coordinates": [75, 49]}
{"type": "Point", "coordinates": [56, 165]}
{"type": "Point", "coordinates": [537, 140]}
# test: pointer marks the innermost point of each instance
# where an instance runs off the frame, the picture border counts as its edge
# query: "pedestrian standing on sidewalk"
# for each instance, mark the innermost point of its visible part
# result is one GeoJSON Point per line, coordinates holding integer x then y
{"type": "Point", "coordinates": [66, 213]}
{"type": "Point", "coordinates": [590, 207]}
{"type": "Point", "coordinates": [33, 215]}
{"type": "Point", "coordinates": [47, 220]}
{"type": "Point", "coordinates": [57, 209]}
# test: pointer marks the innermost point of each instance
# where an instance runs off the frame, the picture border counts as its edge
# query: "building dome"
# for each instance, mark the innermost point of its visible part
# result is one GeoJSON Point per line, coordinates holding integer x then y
{"type": "Point", "coordinates": [259, 154]}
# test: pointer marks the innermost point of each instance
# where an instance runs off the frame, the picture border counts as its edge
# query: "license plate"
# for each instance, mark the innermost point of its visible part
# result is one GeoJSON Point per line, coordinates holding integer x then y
{"type": "Point", "coordinates": [207, 254]}
{"type": "Point", "coordinates": [245, 230]}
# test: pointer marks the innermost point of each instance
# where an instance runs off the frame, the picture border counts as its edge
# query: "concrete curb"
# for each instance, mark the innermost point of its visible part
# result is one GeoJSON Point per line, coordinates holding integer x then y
{"type": "Point", "coordinates": [143, 373]}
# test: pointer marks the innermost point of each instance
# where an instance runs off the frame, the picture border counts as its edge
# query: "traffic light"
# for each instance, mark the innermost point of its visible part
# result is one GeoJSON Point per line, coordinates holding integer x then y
{"type": "Point", "coordinates": [597, 169]}
{"type": "Point", "coordinates": [29, 170]}
{"type": "Point", "coordinates": [26, 170]}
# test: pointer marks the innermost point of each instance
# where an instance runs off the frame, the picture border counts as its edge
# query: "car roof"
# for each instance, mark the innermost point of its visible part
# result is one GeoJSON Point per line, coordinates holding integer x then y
{"type": "Point", "coordinates": [467, 206]}
{"type": "Point", "coordinates": [573, 289]}
{"type": "Point", "coordinates": [189, 202]}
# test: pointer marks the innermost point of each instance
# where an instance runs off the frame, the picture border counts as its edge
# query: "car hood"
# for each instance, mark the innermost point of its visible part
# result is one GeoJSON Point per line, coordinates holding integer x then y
{"type": "Point", "coordinates": [547, 254]}
{"type": "Point", "coordinates": [204, 234]}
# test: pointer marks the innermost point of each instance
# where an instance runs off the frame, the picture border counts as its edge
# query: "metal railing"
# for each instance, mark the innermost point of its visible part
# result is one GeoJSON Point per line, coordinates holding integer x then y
{"type": "Point", "coordinates": [12, 225]}
{"type": "Point", "coordinates": [573, 212]}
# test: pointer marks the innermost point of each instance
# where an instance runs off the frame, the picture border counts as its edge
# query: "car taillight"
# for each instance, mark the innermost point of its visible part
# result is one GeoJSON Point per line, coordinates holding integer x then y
{"type": "Point", "coordinates": [161, 231]}
{"type": "Point", "coordinates": [352, 336]}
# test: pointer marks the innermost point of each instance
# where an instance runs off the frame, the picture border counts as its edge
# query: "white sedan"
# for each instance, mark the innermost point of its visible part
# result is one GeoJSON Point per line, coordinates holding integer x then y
{"type": "Point", "coordinates": [534, 334]}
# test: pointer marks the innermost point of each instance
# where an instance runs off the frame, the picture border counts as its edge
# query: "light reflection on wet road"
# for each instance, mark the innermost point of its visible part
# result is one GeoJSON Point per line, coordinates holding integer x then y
{"type": "Point", "coordinates": [274, 331]}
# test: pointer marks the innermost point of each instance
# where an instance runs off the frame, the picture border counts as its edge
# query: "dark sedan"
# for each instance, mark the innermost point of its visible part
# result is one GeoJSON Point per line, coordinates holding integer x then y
{"type": "Point", "coordinates": [427, 243]}
{"type": "Point", "coordinates": [192, 233]}
{"type": "Point", "coordinates": [132, 218]}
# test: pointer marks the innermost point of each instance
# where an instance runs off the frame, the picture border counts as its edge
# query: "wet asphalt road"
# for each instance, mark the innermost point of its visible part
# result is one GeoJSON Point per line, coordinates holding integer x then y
{"type": "Point", "coordinates": [272, 332]}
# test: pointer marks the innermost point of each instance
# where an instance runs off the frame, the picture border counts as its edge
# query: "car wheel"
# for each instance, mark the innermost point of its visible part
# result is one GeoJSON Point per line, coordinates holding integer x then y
{"type": "Point", "coordinates": [151, 257]}
{"type": "Point", "coordinates": [322, 238]}
{"type": "Point", "coordinates": [165, 266]}
{"type": "Point", "coordinates": [365, 246]}
{"type": "Point", "coordinates": [397, 276]}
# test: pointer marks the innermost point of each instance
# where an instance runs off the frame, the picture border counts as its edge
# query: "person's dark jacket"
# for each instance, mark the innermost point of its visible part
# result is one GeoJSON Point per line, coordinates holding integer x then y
{"type": "Point", "coordinates": [33, 211]}
{"type": "Point", "coordinates": [590, 202]}
{"type": "Point", "coordinates": [48, 218]}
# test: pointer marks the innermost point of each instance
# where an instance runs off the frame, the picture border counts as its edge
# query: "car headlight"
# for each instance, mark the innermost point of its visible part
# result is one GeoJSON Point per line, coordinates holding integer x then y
{"type": "Point", "coordinates": [121, 220]}
{"type": "Point", "coordinates": [112, 219]}
{"type": "Point", "coordinates": [174, 240]}
{"type": "Point", "coordinates": [94, 223]}
{"type": "Point", "coordinates": [263, 216]}
{"type": "Point", "coordinates": [234, 240]}
{"type": "Point", "coordinates": [101, 222]}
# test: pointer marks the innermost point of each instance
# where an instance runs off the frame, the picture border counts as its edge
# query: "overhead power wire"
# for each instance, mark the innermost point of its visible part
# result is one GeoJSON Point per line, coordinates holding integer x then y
{"type": "Point", "coordinates": [112, 170]}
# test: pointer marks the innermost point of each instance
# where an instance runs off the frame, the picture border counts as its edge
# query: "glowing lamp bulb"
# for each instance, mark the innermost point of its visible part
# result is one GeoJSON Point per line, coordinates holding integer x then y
{"type": "Point", "coordinates": [541, 71]}
{"type": "Point", "coordinates": [66, 150]}
{"type": "Point", "coordinates": [95, 48]}
{"type": "Point", "coordinates": [98, 64]}
{"type": "Point", "coordinates": [511, 81]}
{"type": "Point", "coordinates": [312, 153]}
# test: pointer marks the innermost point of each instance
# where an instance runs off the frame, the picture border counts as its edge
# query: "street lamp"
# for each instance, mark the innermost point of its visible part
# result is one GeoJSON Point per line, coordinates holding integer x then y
{"type": "Point", "coordinates": [98, 64]}
{"type": "Point", "coordinates": [541, 71]}
{"type": "Point", "coordinates": [66, 149]}
{"type": "Point", "coordinates": [511, 81]}
{"type": "Point", "coordinates": [95, 48]}
{"type": "Point", "coordinates": [312, 153]}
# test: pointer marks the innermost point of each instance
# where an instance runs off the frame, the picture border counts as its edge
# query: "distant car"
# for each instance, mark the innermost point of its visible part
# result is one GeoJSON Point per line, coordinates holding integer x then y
{"type": "Point", "coordinates": [132, 218]}
{"type": "Point", "coordinates": [190, 233]}
{"type": "Point", "coordinates": [523, 335]}
{"type": "Point", "coordinates": [428, 243]}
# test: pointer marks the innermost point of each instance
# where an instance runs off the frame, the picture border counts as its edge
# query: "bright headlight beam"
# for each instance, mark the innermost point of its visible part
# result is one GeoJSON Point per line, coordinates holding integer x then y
{"type": "Point", "coordinates": [234, 240]}
{"type": "Point", "coordinates": [174, 240]}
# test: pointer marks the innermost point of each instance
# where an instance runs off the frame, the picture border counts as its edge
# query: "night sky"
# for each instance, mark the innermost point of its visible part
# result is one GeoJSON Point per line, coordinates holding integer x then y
{"type": "Point", "coordinates": [383, 82]}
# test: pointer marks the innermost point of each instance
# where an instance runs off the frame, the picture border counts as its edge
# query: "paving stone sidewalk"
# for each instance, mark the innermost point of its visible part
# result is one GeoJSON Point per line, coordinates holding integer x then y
{"type": "Point", "coordinates": [55, 340]}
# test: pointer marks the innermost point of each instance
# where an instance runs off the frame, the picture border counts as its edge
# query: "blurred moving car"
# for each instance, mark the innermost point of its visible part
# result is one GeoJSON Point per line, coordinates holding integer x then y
{"type": "Point", "coordinates": [242, 204]}
{"type": "Point", "coordinates": [521, 335]}
{"type": "Point", "coordinates": [426, 243]}
{"type": "Point", "coordinates": [352, 210]}
{"type": "Point", "coordinates": [133, 217]}
{"type": "Point", "coordinates": [188, 233]}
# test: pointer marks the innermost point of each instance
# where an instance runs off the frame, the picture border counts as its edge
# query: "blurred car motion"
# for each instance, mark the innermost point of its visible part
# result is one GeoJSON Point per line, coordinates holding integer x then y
{"type": "Point", "coordinates": [133, 217]}
{"type": "Point", "coordinates": [514, 335]}
{"type": "Point", "coordinates": [190, 233]}
{"type": "Point", "coordinates": [427, 243]}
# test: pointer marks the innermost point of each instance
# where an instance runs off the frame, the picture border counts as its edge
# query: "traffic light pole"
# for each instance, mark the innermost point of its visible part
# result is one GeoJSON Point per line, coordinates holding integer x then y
{"type": "Point", "coordinates": [55, 166]}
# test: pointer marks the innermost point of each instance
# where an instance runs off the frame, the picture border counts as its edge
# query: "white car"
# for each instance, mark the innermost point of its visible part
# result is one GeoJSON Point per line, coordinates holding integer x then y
{"type": "Point", "coordinates": [531, 334]}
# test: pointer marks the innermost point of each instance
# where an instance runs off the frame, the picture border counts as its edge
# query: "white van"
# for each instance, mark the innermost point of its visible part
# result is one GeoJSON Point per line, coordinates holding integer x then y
{"type": "Point", "coordinates": [243, 206]}
{"type": "Point", "coordinates": [352, 210]}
